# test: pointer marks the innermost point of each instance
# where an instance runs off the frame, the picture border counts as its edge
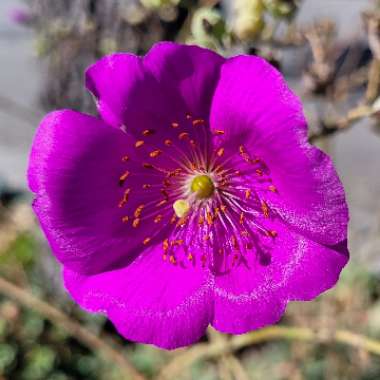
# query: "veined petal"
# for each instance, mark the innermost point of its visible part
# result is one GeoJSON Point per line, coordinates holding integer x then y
{"type": "Point", "coordinates": [254, 295]}
{"type": "Point", "coordinates": [170, 81]}
{"type": "Point", "coordinates": [75, 167]}
{"type": "Point", "coordinates": [254, 107]}
{"type": "Point", "coordinates": [150, 301]}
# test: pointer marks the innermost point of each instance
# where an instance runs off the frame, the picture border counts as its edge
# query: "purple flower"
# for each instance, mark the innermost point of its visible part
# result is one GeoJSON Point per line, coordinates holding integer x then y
{"type": "Point", "coordinates": [21, 16]}
{"type": "Point", "coordinates": [193, 199]}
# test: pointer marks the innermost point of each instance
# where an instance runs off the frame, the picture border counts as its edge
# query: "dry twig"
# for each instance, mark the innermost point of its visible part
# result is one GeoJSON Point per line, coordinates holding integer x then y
{"type": "Point", "coordinates": [373, 30]}
{"type": "Point", "coordinates": [356, 114]}
{"type": "Point", "coordinates": [228, 364]}
{"type": "Point", "coordinates": [77, 331]}
{"type": "Point", "coordinates": [213, 350]}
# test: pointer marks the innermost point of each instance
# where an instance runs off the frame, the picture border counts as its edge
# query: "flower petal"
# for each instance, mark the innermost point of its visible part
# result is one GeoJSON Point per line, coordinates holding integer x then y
{"type": "Point", "coordinates": [254, 294]}
{"type": "Point", "coordinates": [189, 73]}
{"type": "Point", "coordinates": [255, 107]}
{"type": "Point", "coordinates": [74, 169]}
{"type": "Point", "coordinates": [170, 81]}
{"type": "Point", "coordinates": [150, 301]}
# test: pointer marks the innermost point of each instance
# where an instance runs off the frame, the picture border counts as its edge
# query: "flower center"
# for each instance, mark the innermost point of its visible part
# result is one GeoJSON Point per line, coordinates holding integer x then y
{"type": "Point", "coordinates": [215, 201]}
{"type": "Point", "coordinates": [203, 186]}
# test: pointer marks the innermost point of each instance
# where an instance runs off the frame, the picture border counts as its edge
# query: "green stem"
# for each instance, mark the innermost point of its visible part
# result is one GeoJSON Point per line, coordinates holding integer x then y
{"type": "Point", "coordinates": [212, 350]}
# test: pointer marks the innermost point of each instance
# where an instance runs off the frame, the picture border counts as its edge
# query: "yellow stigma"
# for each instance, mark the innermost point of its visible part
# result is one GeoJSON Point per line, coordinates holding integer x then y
{"type": "Point", "coordinates": [181, 207]}
{"type": "Point", "coordinates": [203, 186]}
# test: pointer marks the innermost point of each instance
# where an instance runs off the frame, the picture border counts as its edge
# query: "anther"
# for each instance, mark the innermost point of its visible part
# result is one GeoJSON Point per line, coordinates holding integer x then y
{"type": "Point", "coordinates": [247, 194]}
{"type": "Point", "coordinates": [138, 211]}
{"type": "Point", "coordinates": [198, 122]}
{"type": "Point", "coordinates": [158, 219]}
{"type": "Point", "coordinates": [136, 222]}
{"type": "Point", "coordinates": [123, 178]}
{"type": "Point", "coordinates": [146, 186]}
{"type": "Point", "coordinates": [220, 152]}
{"type": "Point", "coordinates": [183, 135]}
{"type": "Point", "coordinates": [147, 166]}
{"type": "Point", "coordinates": [168, 142]}
{"type": "Point", "coordinates": [218, 132]}
{"type": "Point", "coordinates": [125, 198]}
{"type": "Point", "coordinates": [175, 172]}
{"type": "Point", "coordinates": [272, 188]}
{"type": "Point", "coordinates": [147, 240]}
{"type": "Point", "coordinates": [125, 159]}
{"type": "Point", "coordinates": [182, 221]}
{"type": "Point", "coordinates": [209, 218]}
{"type": "Point", "coordinates": [155, 153]}
{"type": "Point", "coordinates": [272, 233]}
{"type": "Point", "coordinates": [265, 209]}
{"type": "Point", "coordinates": [165, 245]}
{"type": "Point", "coordinates": [125, 219]}
{"type": "Point", "coordinates": [148, 132]}
{"type": "Point", "coordinates": [139, 143]}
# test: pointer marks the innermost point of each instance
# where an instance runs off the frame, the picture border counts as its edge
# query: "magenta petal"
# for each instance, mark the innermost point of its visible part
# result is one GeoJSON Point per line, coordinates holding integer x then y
{"type": "Point", "coordinates": [140, 92]}
{"type": "Point", "coordinates": [188, 73]}
{"type": "Point", "coordinates": [113, 80]}
{"type": "Point", "coordinates": [254, 105]}
{"type": "Point", "coordinates": [150, 301]}
{"type": "Point", "coordinates": [195, 198]}
{"type": "Point", "coordinates": [254, 295]}
{"type": "Point", "coordinates": [74, 170]}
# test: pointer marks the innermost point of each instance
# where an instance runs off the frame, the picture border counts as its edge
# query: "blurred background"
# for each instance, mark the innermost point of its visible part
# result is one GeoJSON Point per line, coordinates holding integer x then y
{"type": "Point", "coordinates": [329, 51]}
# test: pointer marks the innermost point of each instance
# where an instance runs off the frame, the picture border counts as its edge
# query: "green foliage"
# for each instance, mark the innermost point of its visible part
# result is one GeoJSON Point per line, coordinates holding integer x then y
{"type": "Point", "coordinates": [23, 250]}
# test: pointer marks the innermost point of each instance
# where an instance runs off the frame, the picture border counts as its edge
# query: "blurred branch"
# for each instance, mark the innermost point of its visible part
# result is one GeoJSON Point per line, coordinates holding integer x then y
{"type": "Point", "coordinates": [372, 21]}
{"type": "Point", "coordinates": [77, 331]}
{"type": "Point", "coordinates": [236, 368]}
{"type": "Point", "coordinates": [227, 363]}
{"type": "Point", "coordinates": [356, 114]}
{"type": "Point", "coordinates": [213, 350]}
{"type": "Point", "coordinates": [320, 73]}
